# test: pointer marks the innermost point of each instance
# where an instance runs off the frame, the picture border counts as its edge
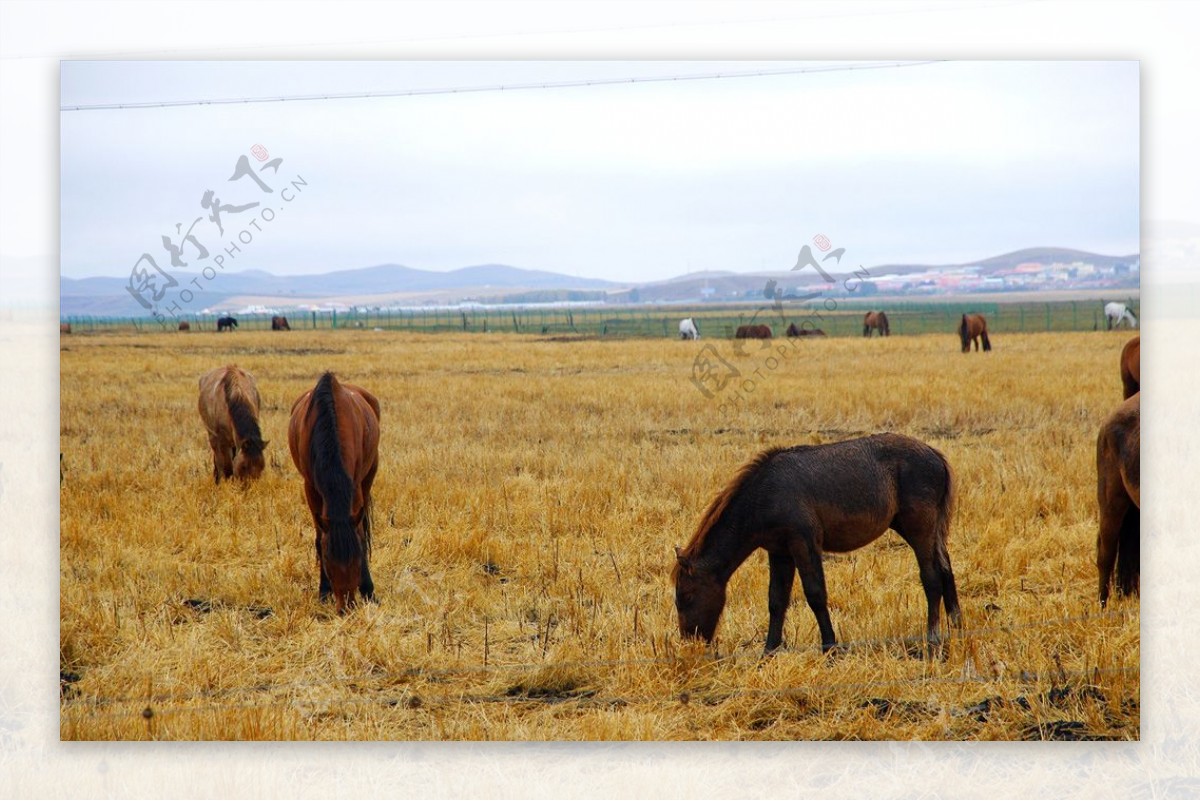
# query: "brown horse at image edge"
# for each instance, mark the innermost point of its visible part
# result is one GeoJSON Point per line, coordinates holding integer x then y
{"type": "Point", "coordinates": [1119, 495]}
{"type": "Point", "coordinates": [1131, 367]}
{"type": "Point", "coordinates": [796, 503]}
{"type": "Point", "coordinates": [333, 437]}
{"type": "Point", "coordinates": [229, 406]}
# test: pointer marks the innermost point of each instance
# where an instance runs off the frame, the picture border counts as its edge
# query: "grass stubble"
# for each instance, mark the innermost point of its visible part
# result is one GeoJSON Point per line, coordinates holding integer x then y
{"type": "Point", "coordinates": [528, 498]}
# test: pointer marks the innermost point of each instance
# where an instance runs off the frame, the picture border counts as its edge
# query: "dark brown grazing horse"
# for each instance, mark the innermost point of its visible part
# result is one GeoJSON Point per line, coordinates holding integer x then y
{"type": "Point", "coordinates": [64, 328]}
{"type": "Point", "coordinates": [334, 441]}
{"type": "Point", "coordinates": [753, 332]}
{"type": "Point", "coordinates": [185, 326]}
{"type": "Point", "coordinates": [877, 321]}
{"type": "Point", "coordinates": [972, 329]}
{"type": "Point", "coordinates": [1131, 366]}
{"type": "Point", "coordinates": [229, 406]}
{"type": "Point", "coordinates": [280, 324]}
{"type": "Point", "coordinates": [226, 324]}
{"type": "Point", "coordinates": [796, 503]}
{"type": "Point", "coordinates": [1118, 490]}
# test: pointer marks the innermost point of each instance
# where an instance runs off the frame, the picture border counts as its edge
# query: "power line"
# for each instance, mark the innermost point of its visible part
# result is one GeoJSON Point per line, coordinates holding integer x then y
{"type": "Point", "coordinates": [229, 101]}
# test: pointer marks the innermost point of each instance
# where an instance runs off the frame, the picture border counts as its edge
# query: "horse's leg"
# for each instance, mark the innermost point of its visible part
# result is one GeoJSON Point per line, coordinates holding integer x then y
{"type": "Point", "coordinates": [1114, 505]}
{"type": "Point", "coordinates": [314, 505]}
{"type": "Point", "coordinates": [215, 444]}
{"type": "Point", "coordinates": [366, 586]}
{"type": "Point", "coordinates": [783, 574]}
{"type": "Point", "coordinates": [807, 557]}
{"type": "Point", "coordinates": [918, 528]}
{"type": "Point", "coordinates": [222, 458]}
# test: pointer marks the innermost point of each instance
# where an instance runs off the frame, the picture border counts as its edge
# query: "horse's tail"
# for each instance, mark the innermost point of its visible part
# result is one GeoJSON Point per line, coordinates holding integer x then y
{"type": "Point", "coordinates": [945, 512]}
{"type": "Point", "coordinates": [1129, 556]}
{"type": "Point", "coordinates": [941, 531]}
{"type": "Point", "coordinates": [883, 320]}
{"type": "Point", "coordinates": [329, 471]}
{"type": "Point", "coordinates": [987, 343]}
{"type": "Point", "coordinates": [245, 424]}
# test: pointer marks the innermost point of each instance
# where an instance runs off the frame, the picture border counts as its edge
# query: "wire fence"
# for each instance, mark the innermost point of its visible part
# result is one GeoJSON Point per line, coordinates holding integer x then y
{"type": "Point", "coordinates": [835, 317]}
{"type": "Point", "coordinates": [387, 688]}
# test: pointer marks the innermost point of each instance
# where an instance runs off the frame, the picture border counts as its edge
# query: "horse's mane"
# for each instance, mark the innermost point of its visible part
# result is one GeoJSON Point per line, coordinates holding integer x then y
{"type": "Point", "coordinates": [719, 504]}
{"type": "Point", "coordinates": [240, 412]}
{"type": "Point", "coordinates": [329, 471]}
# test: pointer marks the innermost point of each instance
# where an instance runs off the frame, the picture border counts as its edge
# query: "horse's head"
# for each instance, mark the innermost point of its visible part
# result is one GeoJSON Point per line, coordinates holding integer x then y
{"type": "Point", "coordinates": [699, 598]}
{"type": "Point", "coordinates": [249, 462]}
{"type": "Point", "coordinates": [342, 557]}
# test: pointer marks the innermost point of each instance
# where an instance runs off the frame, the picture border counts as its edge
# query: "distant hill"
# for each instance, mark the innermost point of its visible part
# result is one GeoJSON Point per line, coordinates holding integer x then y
{"type": "Point", "coordinates": [386, 284]}
{"type": "Point", "coordinates": [103, 295]}
{"type": "Point", "coordinates": [1007, 261]}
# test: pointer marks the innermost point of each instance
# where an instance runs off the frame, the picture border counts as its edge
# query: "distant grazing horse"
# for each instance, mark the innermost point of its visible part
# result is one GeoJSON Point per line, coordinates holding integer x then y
{"type": "Point", "coordinates": [185, 326]}
{"type": "Point", "coordinates": [796, 503]}
{"type": "Point", "coordinates": [1131, 366]}
{"type": "Point", "coordinates": [64, 328]}
{"type": "Point", "coordinates": [1118, 490]}
{"type": "Point", "coordinates": [280, 324]}
{"type": "Point", "coordinates": [226, 324]}
{"type": "Point", "coordinates": [688, 329]}
{"type": "Point", "coordinates": [1116, 314]}
{"type": "Point", "coordinates": [972, 329]}
{"type": "Point", "coordinates": [334, 440]}
{"type": "Point", "coordinates": [794, 330]}
{"type": "Point", "coordinates": [753, 332]}
{"type": "Point", "coordinates": [878, 321]}
{"type": "Point", "coordinates": [229, 407]}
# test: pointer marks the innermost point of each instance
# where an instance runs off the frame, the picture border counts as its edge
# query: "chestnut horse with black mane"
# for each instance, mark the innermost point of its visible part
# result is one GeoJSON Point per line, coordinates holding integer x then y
{"type": "Point", "coordinates": [876, 321]}
{"type": "Point", "coordinates": [334, 441]}
{"type": "Point", "coordinates": [796, 503]}
{"type": "Point", "coordinates": [1118, 490]}
{"type": "Point", "coordinates": [973, 328]}
{"type": "Point", "coordinates": [1131, 367]}
{"type": "Point", "coordinates": [229, 406]}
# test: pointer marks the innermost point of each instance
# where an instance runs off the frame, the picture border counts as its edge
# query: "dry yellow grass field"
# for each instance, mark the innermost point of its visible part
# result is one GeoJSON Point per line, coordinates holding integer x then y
{"type": "Point", "coordinates": [528, 499]}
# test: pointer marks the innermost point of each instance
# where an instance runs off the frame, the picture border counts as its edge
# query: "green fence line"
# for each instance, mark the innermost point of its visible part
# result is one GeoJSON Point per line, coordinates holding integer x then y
{"type": "Point", "coordinates": [834, 317]}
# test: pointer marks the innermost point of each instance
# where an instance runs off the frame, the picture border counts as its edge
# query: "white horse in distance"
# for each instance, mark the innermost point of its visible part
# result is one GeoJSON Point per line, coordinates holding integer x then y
{"type": "Point", "coordinates": [1117, 313]}
{"type": "Point", "coordinates": [688, 329]}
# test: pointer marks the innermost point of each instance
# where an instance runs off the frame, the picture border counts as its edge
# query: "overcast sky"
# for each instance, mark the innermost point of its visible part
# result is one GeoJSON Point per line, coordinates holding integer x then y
{"type": "Point", "coordinates": [938, 163]}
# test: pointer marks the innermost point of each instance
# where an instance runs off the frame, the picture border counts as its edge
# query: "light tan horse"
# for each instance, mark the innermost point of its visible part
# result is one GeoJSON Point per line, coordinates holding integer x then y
{"type": "Point", "coordinates": [229, 406]}
{"type": "Point", "coordinates": [1119, 493]}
